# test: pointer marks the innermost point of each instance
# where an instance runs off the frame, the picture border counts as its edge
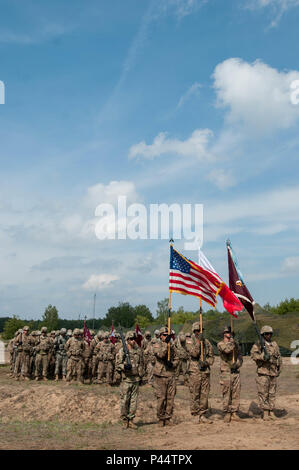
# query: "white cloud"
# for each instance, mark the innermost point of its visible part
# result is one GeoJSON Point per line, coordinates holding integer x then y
{"type": "Point", "coordinates": [278, 7]}
{"type": "Point", "coordinates": [99, 281]}
{"type": "Point", "coordinates": [192, 91]}
{"type": "Point", "coordinates": [256, 95]}
{"type": "Point", "coordinates": [291, 264]}
{"type": "Point", "coordinates": [101, 193]}
{"type": "Point", "coordinates": [195, 146]}
{"type": "Point", "coordinates": [223, 179]}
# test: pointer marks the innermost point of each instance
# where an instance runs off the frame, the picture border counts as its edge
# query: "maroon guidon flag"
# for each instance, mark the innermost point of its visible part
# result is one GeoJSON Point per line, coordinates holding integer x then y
{"type": "Point", "coordinates": [139, 336]}
{"type": "Point", "coordinates": [86, 333]}
{"type": "Point", "coordinates": [236, 282]}
{"type": "Point", "coordinates": [112, 335]}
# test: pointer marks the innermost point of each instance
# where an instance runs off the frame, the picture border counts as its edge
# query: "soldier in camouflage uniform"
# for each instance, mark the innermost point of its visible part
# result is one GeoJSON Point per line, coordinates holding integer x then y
{"type": "Point", "coordinates": [87, 360]}
{"type": "Point", "coordinates": [117, 347]}
{"type": "Point", "coordinates": [61, 356]}
{"type": "Point", "coordinates": [199, 372]}
{"type": "Point", "coordinates": [151, 357]}
{"type": "Point", "coordinates": [183, 358]}
{"type": "Point", "coordinates": [106, 356]}
{"type": "Point", "coordinates": [164, 377]}
{"type": "Point", "coordinates": [94, 358]}
{"type": "Point", "coordinates": [52, 355]}
{"type": "Point", "coordinates": [144, 344]}
{"type": "Point", "coordinates": [42, 348]}
{"type": "Point", "coordinates": [74, 349]}
{"type": "Point", "coordinates": [12, 349]}
{"type": "Point", "coordinates": [268, 369]}
{"type": "Point", "coordinates": [230, 362]}
{"type": "Point", "coordinates": [24, 345]}
{"type": "Point", "coordinates": [131, 376]}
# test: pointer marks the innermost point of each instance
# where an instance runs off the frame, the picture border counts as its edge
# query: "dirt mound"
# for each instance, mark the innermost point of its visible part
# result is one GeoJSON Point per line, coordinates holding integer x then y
{"type": "Point", "coordinates": [47, 403]}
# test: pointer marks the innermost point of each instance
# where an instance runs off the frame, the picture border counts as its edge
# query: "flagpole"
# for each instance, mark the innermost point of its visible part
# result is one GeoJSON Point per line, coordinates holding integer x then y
{"type": "Point", "coordinates": [169, 309]}
{"type": "Point", "coordinates": [200, 321]}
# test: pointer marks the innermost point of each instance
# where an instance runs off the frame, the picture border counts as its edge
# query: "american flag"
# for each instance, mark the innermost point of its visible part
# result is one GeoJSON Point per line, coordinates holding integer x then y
{"type": "Point", "coordinates": [188, 278]}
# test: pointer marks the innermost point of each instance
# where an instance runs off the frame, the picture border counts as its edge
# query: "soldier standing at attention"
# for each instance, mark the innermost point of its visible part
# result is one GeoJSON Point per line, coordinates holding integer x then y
{"type": "Point", "coordinates": [61, 357]}
{"type": "Point", "coordinates": [164, 376]}
{"type": "Point", "coordinates": [42, 350]}
{"type": "Point", "coordinates": [199, 372]}
{"type": "Point", "coordinates": [74, 348]}
{"type": "Point", "coordinates": [268, 364]}
{"type": "Point", "coordinates": [230, 362]}
{"type": "Point", "coordinates": [132, 371]}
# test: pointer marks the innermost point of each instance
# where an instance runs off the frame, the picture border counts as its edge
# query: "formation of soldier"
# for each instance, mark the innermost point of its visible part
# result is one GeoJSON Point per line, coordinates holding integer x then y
{"type": "Point", "coordinates": [160, 361]}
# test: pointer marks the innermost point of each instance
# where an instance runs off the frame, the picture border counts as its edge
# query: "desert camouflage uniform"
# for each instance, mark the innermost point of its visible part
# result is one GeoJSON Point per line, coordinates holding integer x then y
{"type": "Point", "coordinates": [11, 350]}
{"type": "Point", "coordinates": [164, 379]}
{"type": "Point", "coordinates": [199, 380]}
{"type": "Point", "coordinates": [74, 349]}
{"type": "Point", "coordinates": [151, 358]}
{"type": "Point", "coordinates": [42, 348]}
{"type": "Point", "coordinates": [52, 355]}
{"type": "Point", "coordinates": [183, 358]}
{"type": "Point", "coordinates": [87, 355]}
{"type": "Point", "coordinates": [24, 346]}
{"type": "Point", "coordinates": [130, 380]}
{"type": "Point", "coordinates": [117, 374]}
{"type": "Point", "coordinates": [230, 362]}
{"type": "Point", "coordinates": [106, 356]}
{"type": "Point", "coordinates": [267, 373]}
{"type": "Point", "coordinates": [61, 356]}
{"type": "Point", "coordinates": [94, 358]}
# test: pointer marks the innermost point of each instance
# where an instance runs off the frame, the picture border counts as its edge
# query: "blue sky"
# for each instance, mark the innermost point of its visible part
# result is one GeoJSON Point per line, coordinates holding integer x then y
{"type": "Point", "coordinates": [164, 101]}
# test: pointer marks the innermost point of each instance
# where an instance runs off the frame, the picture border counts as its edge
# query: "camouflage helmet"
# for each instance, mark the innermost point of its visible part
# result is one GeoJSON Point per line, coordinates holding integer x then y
{"type": "Point", "coordinates": [188, 335]}
{"type": "Point", "coordinates": [196, 326]}
{"type": "Point", "coordinates": [81, 331]}
{"type": "Point", "coordinates": [63, 331]}
{"type": "Point", "coordinates": [69, 332]}
{"type": "Point", "coordinates": [38, 333]}
{"type": "Point", "coordinates": [76, 331]}
{"type": "Point", "coordinates": [163, 330]}
{"type": "Point", "coordinates": [26, 328]}
{"type": "Point", "coordinates": [266, 329]}
{"type": "Point", "coordinates": [92, 332]}
{"type": "Point", "coordinates": [157, 332]}
{"type": "Point", "coordinates": [44, 329]}
{"type": "Point", "coordinates": [147, 333]}
{"type": "Point", "coordinates": [130, 335]}
{"type": "Point", "coordinates": [100, 334]}
{"type": "Point", "coordinates": [226, 329]}
{"type": "Point", "coordinates": [182, 337]}
{"type": "Point", "coordinates": [53, 332]}
{"type": "Point", "coordinates": [106, 334]}
{"type": "Point", "coordinates": [33, 333]}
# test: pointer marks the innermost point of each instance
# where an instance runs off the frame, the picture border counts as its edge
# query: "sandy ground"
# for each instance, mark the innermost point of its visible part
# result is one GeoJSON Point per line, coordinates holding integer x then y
{"type": "Point", "coordinates": [39, 415]}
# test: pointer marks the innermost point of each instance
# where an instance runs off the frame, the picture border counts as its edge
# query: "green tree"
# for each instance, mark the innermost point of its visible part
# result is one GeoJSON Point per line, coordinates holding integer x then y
{"type": "Point", "coordinates": [142, 321]}
{"type": "Point", "coordinates": [11, 326]}
{"type": "Point", "coordinates": [124, 314]}
{"type": "Point", "coordinates": [144, 311]}
{"type": "Point", "coordinates": [162, 311]}
{"type": "Point", "coordinates": [50, 318]}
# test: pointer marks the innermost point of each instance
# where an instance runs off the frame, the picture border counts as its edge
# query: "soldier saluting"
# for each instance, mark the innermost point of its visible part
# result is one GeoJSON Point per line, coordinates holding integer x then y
{"type": "Point", "coordinates": [266, 355]}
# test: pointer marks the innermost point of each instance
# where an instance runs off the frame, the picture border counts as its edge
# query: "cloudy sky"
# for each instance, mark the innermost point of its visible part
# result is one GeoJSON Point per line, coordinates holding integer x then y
{"type": "Point", "coordinates": [161, 101]}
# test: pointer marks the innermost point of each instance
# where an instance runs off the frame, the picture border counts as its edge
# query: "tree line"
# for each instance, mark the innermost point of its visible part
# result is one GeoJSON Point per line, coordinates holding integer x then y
{"type": "Point", "coordinates": [127, 316]}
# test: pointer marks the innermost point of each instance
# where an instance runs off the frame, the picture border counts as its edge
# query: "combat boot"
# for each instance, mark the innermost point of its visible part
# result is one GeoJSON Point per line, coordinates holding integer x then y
{"type": "Point", "coordinates": [235, 417]}
{"type": "Point", "coordinates": [227, 418]}
{"type": "Point", "coordinates": [272, 415]}
{"type": "Point", "coordinates": [45, 379]}
{"type": "Point", "coordinates": [26, 378]}
{"type": "Point", "coordinates": [37, 379]}
{"type": "Point", "coordinates": [266, 416]}
{"type": "Point", "coordinates": [131, 424]}
{"type": "Point", "coordinates": [204, 420]}
{"type": "Point", "coordinates": [125, 423]}
{"type": "Point", "coordinates": [64, 378]}
{"type": "Point", "coordinates": [56, 378]}
{"type": "Point", "coordinates": [161, 423]}
{"type": "Point", "coordinates": [168, 422]}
